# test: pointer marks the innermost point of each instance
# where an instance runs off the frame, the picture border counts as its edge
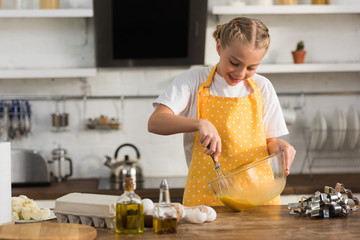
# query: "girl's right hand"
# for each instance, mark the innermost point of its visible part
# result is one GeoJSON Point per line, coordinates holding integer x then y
{"type": "Point", "coordinates": [209, 136]}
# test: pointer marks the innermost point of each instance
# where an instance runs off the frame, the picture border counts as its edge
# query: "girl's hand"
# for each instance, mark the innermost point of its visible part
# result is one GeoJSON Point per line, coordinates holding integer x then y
{"type": "Point", "coordinates": [278, 145]}
{"type": "Point", "coordinates": [209, 136]}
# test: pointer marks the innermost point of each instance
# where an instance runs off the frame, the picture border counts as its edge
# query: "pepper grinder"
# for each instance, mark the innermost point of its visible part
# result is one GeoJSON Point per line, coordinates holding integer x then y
{"type": "Point", "coordinates": [165, 214]}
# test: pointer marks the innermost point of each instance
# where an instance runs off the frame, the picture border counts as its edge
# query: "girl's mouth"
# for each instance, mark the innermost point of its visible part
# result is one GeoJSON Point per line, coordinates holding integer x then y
{"type": "Point", "coordinates": [234, 80]}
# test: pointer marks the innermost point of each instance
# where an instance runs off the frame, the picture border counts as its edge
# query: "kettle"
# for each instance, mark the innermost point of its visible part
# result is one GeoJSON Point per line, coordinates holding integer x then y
{"type": "Point", "coordinates": [121, 169]}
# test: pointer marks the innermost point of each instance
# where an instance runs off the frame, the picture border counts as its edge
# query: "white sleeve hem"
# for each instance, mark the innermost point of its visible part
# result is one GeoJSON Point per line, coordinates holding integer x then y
{"type": "Point", "coordinates": [277, 134]}
{"type": "Point", "coordinates": [169, 104]}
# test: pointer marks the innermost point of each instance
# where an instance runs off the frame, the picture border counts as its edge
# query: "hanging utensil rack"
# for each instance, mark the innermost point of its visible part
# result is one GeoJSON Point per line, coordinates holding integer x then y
{"type": "Point", "coordinates": [104, 97]}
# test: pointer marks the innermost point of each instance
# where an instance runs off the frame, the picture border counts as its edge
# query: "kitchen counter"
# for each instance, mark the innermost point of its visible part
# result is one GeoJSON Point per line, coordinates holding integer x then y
{"type": "Point", "coordinates": [263, 222]}
{"type": "Point", "coordinates": [296, 184]}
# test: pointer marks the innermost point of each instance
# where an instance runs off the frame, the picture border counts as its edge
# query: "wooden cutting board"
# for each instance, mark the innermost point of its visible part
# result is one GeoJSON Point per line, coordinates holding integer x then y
{"type": "Point", "coordinates": [46, 230]}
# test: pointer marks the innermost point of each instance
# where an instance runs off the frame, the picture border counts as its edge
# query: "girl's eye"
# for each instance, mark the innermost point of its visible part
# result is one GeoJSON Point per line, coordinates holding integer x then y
{"type": "Point", "coordinates": [234, 64]}
{"type": "Point", "coordinates": [251, 68]}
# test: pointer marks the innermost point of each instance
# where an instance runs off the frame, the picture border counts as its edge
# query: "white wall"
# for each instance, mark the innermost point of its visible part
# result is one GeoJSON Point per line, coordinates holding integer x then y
{"type": "Point", "coordinates": [69, 42]}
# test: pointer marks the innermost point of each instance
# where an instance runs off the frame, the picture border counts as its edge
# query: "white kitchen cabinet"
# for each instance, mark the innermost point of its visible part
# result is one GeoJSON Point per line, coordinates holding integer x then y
{"type": "Point", "coordinates": [47, 73]}
{"type": "Point", "coordinates": [46, 43]}
{"type": "Point", "coordinates": [49, 13]}
{"type": "Point", "coordinates": [285, 9]}
{"type": "Point", "coordinates": [329, 32]}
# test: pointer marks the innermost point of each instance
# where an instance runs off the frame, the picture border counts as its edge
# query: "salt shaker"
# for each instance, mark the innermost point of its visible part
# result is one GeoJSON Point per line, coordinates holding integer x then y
{"type": "Point", "coordinates": [165, 215]}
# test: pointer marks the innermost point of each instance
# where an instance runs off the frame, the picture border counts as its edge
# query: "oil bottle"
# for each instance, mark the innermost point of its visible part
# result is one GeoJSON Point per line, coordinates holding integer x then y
{"type": "Point", "coordinates": [165, 215]}
{"type": "Point", "coordinates": [129, 211]}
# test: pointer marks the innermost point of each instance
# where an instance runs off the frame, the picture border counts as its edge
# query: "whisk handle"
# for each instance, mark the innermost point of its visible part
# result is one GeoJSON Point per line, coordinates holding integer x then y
{"type": "Point", "coordinates": [212, 156]}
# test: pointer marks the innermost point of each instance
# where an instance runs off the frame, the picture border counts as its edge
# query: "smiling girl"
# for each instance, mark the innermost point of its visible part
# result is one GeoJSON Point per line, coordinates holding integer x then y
{"type": "Point", "coordinates": [227, 107]}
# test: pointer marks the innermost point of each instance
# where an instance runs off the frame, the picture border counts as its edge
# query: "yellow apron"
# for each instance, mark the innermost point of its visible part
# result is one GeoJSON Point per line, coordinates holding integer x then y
{"type": "Point", "coordinates": [240, 125]}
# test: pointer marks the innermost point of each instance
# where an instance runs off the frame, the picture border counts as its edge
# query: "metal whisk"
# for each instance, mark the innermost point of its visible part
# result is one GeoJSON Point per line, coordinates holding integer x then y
{"type": "Point", "coordinates": [225, 182]}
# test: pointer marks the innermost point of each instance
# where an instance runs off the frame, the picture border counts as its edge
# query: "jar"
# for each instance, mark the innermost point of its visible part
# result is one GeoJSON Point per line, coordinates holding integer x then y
{"type": "Point", "coordinates": [286, 2]}
{"type": "Point", "coordinates": [49, 4]}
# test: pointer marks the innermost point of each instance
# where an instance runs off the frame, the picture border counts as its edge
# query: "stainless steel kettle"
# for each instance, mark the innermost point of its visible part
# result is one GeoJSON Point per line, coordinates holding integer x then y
{"type": "Point", "coordinates": [121, 169]}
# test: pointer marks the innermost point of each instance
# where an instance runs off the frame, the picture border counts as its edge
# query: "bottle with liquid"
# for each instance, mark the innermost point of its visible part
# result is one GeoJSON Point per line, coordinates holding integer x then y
{"type": "Point", "coordinates": [165, 215]}
{"type": "Point", "coordinates": [129, 211]}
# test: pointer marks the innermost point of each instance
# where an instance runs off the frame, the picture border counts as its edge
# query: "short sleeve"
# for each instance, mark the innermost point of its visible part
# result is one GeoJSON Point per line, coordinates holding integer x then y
{"type": "Point", "coordinates": [274, 122]}
{"type": "Point", "coordinates": [177, 95]}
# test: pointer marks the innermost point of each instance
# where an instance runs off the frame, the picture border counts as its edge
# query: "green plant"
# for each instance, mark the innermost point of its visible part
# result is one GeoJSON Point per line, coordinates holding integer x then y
{"type": "Point", "coordinates": [300, 46]}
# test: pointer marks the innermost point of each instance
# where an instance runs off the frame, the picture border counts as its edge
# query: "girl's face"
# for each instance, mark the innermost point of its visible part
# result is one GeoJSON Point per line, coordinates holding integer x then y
{"type": "Point", "coordinates": [238, 61]}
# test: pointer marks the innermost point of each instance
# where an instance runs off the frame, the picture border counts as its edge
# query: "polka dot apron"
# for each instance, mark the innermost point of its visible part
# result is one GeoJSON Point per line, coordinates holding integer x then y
{"type": "Point", "coordinates": [240, 125]}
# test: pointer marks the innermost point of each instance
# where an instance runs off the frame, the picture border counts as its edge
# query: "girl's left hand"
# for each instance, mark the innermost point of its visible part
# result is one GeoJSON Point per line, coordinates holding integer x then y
{"type": "Point", "coordinates": [278, 145]}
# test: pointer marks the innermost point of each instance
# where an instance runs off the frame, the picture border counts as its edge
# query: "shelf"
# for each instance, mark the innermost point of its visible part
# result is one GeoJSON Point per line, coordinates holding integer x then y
{"type": "Point", "coordinates": [309, 67]}
{"type": "Point", "coordinates": [286, 9]}
{"type": "Point", "coordinates": [48, 73]}
{"type": "Point", "coordinates": [57, 13]}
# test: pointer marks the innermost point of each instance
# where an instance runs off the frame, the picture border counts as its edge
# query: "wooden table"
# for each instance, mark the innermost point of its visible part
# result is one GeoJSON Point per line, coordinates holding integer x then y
{"type": "Point", "coordinates": [263, 222]}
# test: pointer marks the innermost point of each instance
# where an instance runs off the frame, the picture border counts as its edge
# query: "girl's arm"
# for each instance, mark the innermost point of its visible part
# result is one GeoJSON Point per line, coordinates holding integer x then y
{"type": "Point", "coordinates": [163, 121]}
{"type": "Point", "coordinates": [277, 145]}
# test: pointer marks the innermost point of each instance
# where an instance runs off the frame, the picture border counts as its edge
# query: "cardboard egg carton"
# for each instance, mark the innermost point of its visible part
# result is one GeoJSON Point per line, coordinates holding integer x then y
{"type": "Point", "coordinates": [89, 209]}
{"type": "Point", "coordinates": [86, 220]}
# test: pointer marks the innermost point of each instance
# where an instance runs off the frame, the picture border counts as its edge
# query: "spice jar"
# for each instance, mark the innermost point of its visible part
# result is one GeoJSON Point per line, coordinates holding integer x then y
{"type": "Point", "coordinates": [49, 4]}
{"type": "Point", "coordinates": [320, 2]}
{"type": "Point", "coordinates": [165, 214]}
{"type": "Point", "coordinates": [286, 2]}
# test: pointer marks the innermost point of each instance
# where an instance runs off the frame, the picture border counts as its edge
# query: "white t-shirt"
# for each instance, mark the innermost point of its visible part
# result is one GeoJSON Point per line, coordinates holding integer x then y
{"type": "Point", "coordinates": [181, 97]}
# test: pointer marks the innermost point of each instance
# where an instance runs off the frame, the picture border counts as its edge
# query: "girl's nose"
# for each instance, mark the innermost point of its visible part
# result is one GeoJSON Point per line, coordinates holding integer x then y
{"type": "Point", "coordinates": [240, 73]}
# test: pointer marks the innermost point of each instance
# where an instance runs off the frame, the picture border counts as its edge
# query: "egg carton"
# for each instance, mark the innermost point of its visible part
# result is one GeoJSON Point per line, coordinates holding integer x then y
{"type": "Point", "coordinates": [98, 222]}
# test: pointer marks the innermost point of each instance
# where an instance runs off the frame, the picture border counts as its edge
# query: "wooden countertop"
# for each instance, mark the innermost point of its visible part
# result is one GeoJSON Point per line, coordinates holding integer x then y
{"type": "Point", "coordinates": [263, 222]}
{"type": "Point", "coordinates": [296, 184]}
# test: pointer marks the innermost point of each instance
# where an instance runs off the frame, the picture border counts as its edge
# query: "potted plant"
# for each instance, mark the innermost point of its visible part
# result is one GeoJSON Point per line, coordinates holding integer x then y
{"type": "Point", "coordinates": [299, 53]}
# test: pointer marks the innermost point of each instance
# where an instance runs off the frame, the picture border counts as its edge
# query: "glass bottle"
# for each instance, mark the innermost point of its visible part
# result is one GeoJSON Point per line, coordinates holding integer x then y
{"type": "Point", "coordinates": [165, 215]}
{"type": "Point", "coordinates": [129, 211]}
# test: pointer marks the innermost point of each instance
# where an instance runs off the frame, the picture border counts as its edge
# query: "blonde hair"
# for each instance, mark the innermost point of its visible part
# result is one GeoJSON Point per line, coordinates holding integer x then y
{"type": "Point", "coordinates": [249, 31]}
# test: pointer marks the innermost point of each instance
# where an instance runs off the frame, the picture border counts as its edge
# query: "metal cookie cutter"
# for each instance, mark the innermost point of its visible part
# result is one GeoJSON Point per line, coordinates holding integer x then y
{"type": "Point", "coordinates": [331, 203]}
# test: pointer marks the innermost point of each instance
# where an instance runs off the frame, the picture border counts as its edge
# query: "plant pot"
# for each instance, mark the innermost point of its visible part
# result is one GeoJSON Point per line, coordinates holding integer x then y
{"type": "Point", "coordinates": [299, 56]}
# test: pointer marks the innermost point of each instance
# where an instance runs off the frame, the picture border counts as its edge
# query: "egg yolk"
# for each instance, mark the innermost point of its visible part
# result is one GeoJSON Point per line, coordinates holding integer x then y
{"type": "Point", "coordinates": [237, 204]}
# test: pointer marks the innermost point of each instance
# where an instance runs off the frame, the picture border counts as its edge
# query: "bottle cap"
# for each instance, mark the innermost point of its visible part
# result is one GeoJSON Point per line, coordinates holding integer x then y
{"type": "Point", "coordinates": [164, 185]}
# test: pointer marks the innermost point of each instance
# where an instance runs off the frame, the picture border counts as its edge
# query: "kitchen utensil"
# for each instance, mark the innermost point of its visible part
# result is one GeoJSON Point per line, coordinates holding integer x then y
{"type": "Point", "coordinates": [338, 129]}
{"type": "Point", "coordinates": [323, 131]}
{"type": "Point", "coordinates": [47, 230]}
{"type": "Point", "coordinates": [27, 117]}
{"type": "Point", "coordinates": [58, 159]}
{"type": "Point", "coordinates": [5, 123]}
{"type": "Point", "coordinates": [315, 131]}
{"type": "Point", "coordinates": [343, 128]}
{"type": "Point", "coordinates": [353, 127]}
{"type": "Point", "coordinates": [60, 120]}
{"type": "Point", "coordinates": [251, 189]}
{"type": "Point", "coordinates": [125, 168]}
{"type": "Point", "coordinates": [29, 167]}
{"type": "Point", "coordinates": [225, 183]}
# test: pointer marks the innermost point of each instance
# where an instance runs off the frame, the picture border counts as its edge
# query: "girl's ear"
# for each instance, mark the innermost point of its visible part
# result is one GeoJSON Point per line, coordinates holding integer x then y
{"type": "Point", "coordinates": [218, 46]}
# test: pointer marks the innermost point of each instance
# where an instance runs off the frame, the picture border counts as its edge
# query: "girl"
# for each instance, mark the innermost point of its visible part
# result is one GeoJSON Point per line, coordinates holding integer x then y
{"type": "Point", "coordinates": [227, 107]}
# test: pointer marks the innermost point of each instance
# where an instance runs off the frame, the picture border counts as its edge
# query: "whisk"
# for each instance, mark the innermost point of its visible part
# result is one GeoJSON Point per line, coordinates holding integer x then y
{"type": "Point", "coordinates": [225, 182]}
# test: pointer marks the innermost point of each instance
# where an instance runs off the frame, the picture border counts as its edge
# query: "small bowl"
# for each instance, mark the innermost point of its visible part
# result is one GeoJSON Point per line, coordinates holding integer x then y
{"type": "Point", "coordinates": [253, 184]}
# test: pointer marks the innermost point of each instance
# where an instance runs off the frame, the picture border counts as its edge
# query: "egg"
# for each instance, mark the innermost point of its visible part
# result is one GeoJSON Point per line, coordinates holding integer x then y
{"type": "Point", "coordinates": [211, 214]}
{"type": "Point", "coordinates": [148, 206]}
{"type": "Point", "coordinates": [195, 216]}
